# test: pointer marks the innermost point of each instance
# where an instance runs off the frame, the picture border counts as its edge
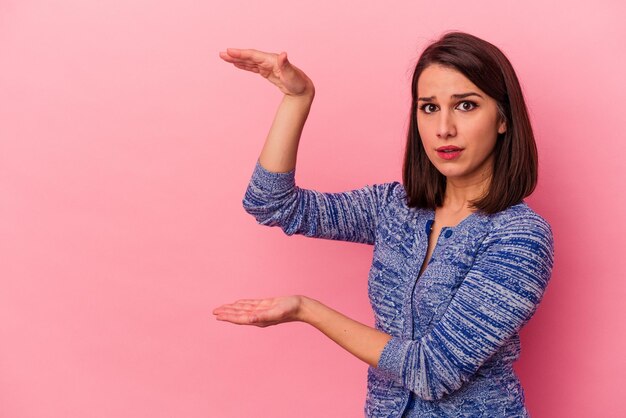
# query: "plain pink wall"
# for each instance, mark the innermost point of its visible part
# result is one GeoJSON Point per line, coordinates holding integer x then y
{"type": "Point", "coordinates": [126, 145]}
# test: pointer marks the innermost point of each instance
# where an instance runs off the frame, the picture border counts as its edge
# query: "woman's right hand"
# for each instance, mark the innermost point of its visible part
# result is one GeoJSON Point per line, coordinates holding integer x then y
{"type": "Point", "coordinates": [275, 67]}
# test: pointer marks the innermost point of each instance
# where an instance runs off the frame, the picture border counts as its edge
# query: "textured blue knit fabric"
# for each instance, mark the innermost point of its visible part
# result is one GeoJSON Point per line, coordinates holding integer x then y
{"type": "Point", "coordinates": [455, 329]}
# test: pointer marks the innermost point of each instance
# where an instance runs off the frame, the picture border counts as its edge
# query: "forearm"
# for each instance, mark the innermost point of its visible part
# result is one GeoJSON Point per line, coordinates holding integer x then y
{"type": "Point", "coordinates": [281, 146]}
{"type": "Point", "coordinates": [364, 342]}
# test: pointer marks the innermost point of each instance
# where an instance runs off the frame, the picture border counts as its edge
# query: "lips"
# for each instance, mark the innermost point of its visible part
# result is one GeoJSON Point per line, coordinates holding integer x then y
{"type": "Point", "coordinates": [449, 148]}
{"type": "Point", "coordinates": [449, 152]}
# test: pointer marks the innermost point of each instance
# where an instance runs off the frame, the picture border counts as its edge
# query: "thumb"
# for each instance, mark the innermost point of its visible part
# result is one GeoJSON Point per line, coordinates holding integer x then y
{"type": "Point", "coordinates": [283, 61]}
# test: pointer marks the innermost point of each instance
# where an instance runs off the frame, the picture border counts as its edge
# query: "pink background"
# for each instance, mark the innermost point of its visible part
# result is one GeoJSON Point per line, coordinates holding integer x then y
{"type": "Point", "coordinates": [126, 145]}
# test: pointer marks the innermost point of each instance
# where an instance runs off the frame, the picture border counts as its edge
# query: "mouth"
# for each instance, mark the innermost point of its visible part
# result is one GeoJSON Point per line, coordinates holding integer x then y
{"type": "Point", "coordinates": [449, 148]}
{"type": "Point", "coordinates": [449, 152]}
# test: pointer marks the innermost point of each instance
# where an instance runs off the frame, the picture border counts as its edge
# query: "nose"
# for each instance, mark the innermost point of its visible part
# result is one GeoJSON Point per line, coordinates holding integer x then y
{"type": "Point", "coordinates": [446, 126]}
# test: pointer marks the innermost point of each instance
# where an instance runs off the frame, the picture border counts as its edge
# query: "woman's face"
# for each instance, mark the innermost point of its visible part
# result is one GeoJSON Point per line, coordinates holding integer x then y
{"type": "Point", "coordinates": [453, 112]}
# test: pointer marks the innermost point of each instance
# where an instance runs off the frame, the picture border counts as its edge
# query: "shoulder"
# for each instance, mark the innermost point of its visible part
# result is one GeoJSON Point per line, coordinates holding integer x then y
{"type": "Point", "coordinates": [520, 217]}
{"type": "Point", "coordinates": [397, 193]}
{"type": "Point", "coordinates": [390, 192]}
{"type": "Point", "coordinates": [392, 188]}
{"type": "Point", "coordinates": [522, 231]}
{"type": "Point", "coordinates": [520, 247]}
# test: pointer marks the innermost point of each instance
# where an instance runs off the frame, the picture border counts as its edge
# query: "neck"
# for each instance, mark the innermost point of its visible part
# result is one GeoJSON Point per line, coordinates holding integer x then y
{"type": "Point", "coordinates": [459, 192]}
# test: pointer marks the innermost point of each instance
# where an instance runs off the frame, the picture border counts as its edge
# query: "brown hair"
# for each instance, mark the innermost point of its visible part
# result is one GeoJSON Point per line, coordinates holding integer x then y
{"type": "Point", "coordinates": [515, 163]}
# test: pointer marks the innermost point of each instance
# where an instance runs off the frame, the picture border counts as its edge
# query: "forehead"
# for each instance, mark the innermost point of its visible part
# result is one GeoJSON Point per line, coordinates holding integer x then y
{"type": "Point", "coordinates": [442, 82]}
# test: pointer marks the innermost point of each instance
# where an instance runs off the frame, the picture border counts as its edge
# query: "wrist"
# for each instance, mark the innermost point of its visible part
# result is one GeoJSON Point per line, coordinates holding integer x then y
{"type": "Point", "coordinates": [306, 96]}
{"type": "Point", "coordinates": [303, 100]}
{"type": "Point", "coordinates": [306, 309]}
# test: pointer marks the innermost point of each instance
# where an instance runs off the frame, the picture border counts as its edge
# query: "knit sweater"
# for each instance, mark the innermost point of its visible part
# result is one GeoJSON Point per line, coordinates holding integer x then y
{"type": "Point", "coordinates": [455, 330]}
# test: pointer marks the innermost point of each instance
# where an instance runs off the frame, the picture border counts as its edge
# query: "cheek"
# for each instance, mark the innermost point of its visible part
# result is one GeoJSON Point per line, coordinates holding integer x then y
{"type": "Point", "coordinates": [485, 142]}
{"type": "Point", "coordinates": [425, 131]}
{"type": "Point", "coordinates": [483, 132]}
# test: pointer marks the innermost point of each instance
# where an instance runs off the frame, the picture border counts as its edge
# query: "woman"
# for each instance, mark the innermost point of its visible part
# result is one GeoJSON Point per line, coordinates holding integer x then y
{"type": "Point", "coordinates": [460, 261]}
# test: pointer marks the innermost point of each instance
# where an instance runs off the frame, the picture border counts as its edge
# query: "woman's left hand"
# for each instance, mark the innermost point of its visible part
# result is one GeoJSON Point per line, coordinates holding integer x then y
{"type": "Point", "coordinates": [260, 312]}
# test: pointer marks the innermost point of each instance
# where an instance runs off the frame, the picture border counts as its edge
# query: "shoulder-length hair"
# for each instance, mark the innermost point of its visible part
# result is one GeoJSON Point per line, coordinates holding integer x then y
{"type": "Point", "coordinates": [515, 163]}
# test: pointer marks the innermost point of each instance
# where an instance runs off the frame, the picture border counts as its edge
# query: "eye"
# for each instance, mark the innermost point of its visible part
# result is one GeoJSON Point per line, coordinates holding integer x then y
{"type": "Point", "coordinates": [465, 106]}
{"type": "Point", "coordinates": [425, 106]}
{"type": "Point", "coordinates": [467, 102]}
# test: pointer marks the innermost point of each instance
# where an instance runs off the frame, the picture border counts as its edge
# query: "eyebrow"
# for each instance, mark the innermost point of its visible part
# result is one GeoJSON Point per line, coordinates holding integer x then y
{"type": "Point", "coordinates": [454, 96]}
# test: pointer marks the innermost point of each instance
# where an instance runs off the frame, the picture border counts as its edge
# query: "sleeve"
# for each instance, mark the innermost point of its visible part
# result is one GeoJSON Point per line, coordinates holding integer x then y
{"type": "Point", "coordinates": [275, 200]}
{"type": "Point", "coordinates": [498, 296]}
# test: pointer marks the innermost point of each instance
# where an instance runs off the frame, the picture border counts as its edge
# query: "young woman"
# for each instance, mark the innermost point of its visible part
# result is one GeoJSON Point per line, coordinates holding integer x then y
{"type": "Point", "coordinates": [460, 261]}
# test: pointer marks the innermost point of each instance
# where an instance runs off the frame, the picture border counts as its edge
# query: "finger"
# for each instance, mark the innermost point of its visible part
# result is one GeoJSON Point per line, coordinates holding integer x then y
{"type": "Point", "coordinates": [284, 64]}
{"type": "Point", "coordinates": [232, 58]}
{"type": "Point", "coordinates": [251, 303]}
{"type": "Point", "coordinates": [241, 303]}
{"type": "Point", "coordinates": [252, 68]}
{"type": "Point", "coordinates": [234, 52]}
{"type": "Point", "coordinates": [226, 57]}
{"type": "Point", "coordinates": [282, 59]}
{"type": "Point", "coordinates": [289, 73]}
{"type": "Point", "coordinates": [249, 307]}
{"type": "Point", "coordinates": [242, 319]}
{"type": "Point", "coordinates": [249, 300]}
{"type": "Point", "coordinates": [246, 319]}
{"type": "Point", "coordinates": [233, 310]}
{"type": "Point", "coordinates": [219, 309]}
{"type": "Point", "coordinates": [250, 55]}
{"type": "Point", "coordinates": [246, 303]}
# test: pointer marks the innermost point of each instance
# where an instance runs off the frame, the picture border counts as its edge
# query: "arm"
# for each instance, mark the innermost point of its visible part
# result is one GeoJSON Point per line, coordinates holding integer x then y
{"type": "Point", "coordinates": [364, 342]}
{"type": "Point", "coordinates": [272, 197]}
{"type": "Point", "coordinates": [497, 297]}
{"type": "Point", "coordinates": [275, 200]}
{"type": "Point", "coordinates": [281, 145]}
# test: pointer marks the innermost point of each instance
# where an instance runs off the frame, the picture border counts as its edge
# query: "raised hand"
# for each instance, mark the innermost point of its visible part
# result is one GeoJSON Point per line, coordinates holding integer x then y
{"type": "Point", "coordinates": [275, 67]}
{"type": "Point", "coordinates": [260, 312]}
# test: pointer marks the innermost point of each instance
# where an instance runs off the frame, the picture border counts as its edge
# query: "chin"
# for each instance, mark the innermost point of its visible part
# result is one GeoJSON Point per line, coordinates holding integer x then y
{"type": "Point", "coordinates": [449, 171]}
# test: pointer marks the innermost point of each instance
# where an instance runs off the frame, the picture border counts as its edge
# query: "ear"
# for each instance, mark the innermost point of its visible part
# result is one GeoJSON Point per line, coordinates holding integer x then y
{"type": "Point", "coordinates": [502, 127]}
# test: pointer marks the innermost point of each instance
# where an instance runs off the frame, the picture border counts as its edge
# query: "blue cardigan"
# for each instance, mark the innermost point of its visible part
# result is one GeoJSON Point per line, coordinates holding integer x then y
{"type": "Point", "coordinates": [455, 331]}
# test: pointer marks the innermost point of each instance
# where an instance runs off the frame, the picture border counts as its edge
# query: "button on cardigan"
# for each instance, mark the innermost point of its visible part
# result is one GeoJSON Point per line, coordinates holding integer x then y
{"type": "Point", "coordinates": [455, 329]}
